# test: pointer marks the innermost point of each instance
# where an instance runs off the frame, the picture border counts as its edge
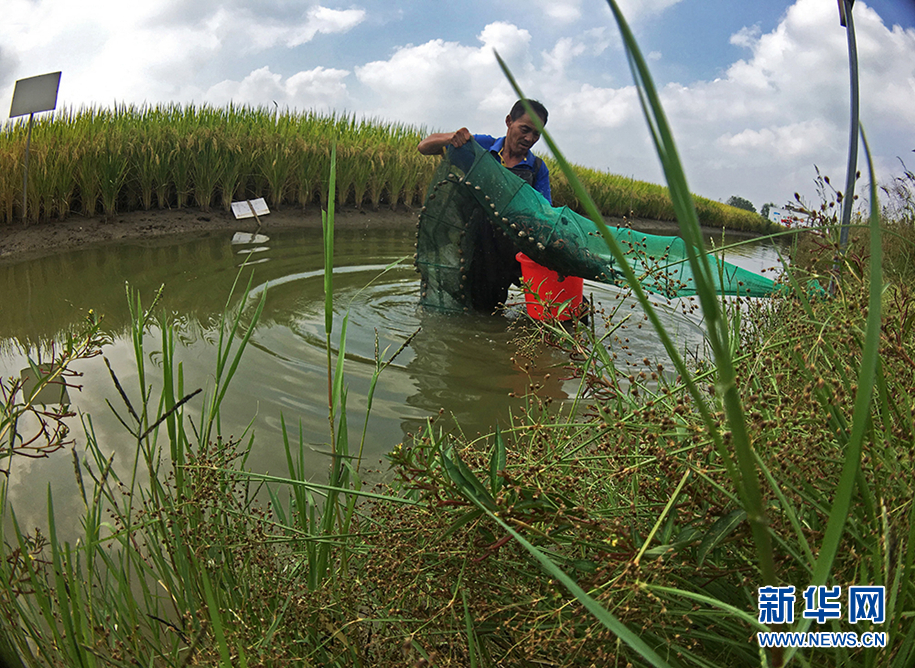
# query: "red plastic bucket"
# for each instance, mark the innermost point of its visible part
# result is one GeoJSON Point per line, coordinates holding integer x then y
{"type": "Point", "coordinates": [548, 292]}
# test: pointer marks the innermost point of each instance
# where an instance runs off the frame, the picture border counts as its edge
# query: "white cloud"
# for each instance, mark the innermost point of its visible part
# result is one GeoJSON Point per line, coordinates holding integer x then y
{"type": "Point", "coordinates": [640, 10]}
{"type": "Point", "coordinates": [111, 50]}
{"type": "Point", "coordinates": [803, 139]}
{"type": "Point", "coordinates": [319, 88]}
{"type": "Point", "coordinates": [326, 21]}
{"type": "Point", "coordinates": [562, 11]}
{"type": "Point", "coordinates": [447, 83]}
{"type": "Point", "coordinates": [566, 12]}
{"type": "Point", "coordinates": [565, 50]}
{"type": "Point", "coordinates": [510, 41]}
{"type": "Point", "coordinates": [250, 31]}
{"type": "Point", "coordinates": [746, 36]}
{"type": "Point", "coordinates": [599, 39]}
{"type": "Point", "coordinates": [785, 109]}
{"type": "Point", "coordinates": [603, 108]}
{"type": "Point", "coordinates": [418, 70]}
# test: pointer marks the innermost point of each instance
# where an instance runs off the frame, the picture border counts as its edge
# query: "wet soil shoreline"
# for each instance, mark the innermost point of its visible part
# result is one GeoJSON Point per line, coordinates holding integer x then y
{"type": "Point", "coordinates": [20, 243]}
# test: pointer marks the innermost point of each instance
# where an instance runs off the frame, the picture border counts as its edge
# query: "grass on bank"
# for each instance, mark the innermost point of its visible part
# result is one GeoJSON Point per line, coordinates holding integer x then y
{"type": "Point", "coordinates": [98, 161]}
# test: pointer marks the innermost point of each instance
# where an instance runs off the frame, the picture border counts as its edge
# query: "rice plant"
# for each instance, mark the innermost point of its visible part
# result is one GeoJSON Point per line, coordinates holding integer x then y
{"type": "Point", "coordinates": [129, 157]}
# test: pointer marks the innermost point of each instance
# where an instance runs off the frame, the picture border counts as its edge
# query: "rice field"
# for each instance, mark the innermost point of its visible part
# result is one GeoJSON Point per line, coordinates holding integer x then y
{"type": "Point", "coordinates": [105, 161]}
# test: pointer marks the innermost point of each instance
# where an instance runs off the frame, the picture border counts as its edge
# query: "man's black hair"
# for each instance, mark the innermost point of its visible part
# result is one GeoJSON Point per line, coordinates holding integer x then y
{"type": "Point", "coordinates": [518, 110]}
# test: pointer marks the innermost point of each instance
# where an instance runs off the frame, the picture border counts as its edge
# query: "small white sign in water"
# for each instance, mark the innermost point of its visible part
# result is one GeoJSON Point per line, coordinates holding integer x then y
{"type": "Point", "coordinates": [51, 394]}
{"type": "Point", "coordinates": [248, 238]}
{"type": "Point", "coordinates": [250, 208]}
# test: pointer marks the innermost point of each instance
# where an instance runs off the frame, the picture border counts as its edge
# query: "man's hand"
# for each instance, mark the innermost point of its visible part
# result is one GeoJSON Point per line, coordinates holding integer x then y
{"type": "Point", "coordinates": [434, 144]}
{"type": "Point", "coordinates": [460, 138]}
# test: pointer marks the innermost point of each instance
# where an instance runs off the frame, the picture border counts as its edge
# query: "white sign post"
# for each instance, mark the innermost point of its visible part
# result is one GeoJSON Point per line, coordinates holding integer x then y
{"type": "Point", "coordinates": [32, 96]}
{"type": "Point", "coordinates": [252, 207]}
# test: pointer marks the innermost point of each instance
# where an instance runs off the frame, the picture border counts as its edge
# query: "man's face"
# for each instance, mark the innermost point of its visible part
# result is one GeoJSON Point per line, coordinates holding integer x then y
{"type": "Point", "coordinates": [521, 134]}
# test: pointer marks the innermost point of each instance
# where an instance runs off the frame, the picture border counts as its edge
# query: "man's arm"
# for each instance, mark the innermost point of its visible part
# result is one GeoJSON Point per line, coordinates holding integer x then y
{"type": "Point", "coordinates": [434, 143]}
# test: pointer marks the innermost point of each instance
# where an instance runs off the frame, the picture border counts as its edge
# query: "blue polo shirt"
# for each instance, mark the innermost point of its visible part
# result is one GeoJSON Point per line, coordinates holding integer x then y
{"type": "Point", "coordinates": [541, 178]}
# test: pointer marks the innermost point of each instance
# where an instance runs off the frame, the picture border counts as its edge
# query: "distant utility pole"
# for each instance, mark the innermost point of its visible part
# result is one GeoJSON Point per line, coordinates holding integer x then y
{"type": "Point", "coordinates": [31, 96]}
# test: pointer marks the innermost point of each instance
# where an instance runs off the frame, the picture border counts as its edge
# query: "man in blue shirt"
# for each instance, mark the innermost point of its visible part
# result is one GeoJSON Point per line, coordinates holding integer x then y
{"type": "Point", "coordinates": [513, 150]}
{"type": "Point", "coordinates": [494, 267]}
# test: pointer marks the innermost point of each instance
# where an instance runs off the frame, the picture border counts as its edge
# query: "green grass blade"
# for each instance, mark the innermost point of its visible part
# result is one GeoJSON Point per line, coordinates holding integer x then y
{"type": "Point", "coordinates": [720, 530]}
{"type": "Point", "coordinates": [497, 462]}
{"type": "Point", "coordinates": [216, 620]}
{"type": "Point", "coordinates": [328, 220]}
{"type": "Point", "coordinates": [660, 520]}
{"type": "Point", "coordinates": [465, 479]}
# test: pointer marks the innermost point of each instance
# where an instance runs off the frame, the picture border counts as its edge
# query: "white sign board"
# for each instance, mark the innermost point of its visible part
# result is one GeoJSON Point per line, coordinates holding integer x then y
{"type": "Point", "coordinates": [250, 208]}
{"type": "Point", "coordinates": [35, 94]}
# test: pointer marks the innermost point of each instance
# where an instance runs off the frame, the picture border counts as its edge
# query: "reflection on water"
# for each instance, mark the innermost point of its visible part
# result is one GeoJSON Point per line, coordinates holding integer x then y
{"type": "Point", "coordinates": [462, 364]}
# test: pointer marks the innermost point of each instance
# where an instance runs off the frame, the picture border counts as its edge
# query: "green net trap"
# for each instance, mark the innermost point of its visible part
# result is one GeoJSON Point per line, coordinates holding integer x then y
{"type": "Point", "coordinates": [478, 215]}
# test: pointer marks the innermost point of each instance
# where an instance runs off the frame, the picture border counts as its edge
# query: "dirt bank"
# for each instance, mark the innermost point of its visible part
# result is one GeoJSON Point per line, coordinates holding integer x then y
{"type": "Point", "coordinates": [19, 243]}
{"type": "Point", "coordinates": [23, 243]}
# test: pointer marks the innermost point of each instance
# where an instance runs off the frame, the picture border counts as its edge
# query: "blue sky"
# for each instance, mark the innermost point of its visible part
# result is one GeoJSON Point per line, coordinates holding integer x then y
{"type": "Point", "coordinates": [756, 92]}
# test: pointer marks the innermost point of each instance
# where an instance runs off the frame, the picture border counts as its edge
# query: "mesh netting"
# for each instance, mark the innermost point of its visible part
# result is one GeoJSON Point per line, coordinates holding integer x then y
{"type": "Point", "coordinates": [477, 215]}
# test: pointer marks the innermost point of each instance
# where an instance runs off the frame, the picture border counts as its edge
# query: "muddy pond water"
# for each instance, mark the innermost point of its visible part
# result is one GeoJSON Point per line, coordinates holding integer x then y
{"type": "Point", "coordinates": [462, 364]}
